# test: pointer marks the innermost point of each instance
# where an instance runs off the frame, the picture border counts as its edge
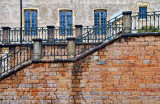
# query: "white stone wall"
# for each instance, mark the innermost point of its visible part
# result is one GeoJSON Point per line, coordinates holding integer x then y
{"type": "Point", "coordinates": [83, 10]}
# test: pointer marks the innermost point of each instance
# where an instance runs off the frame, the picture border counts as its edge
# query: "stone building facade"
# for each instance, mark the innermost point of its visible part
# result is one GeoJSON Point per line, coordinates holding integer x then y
{"type": "Point", "coordinates": [48, 11]}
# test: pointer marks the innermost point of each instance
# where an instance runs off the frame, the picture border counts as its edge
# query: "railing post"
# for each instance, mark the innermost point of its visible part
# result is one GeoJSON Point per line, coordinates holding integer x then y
{"type": "Point", "coordinates": [6, 35]}
{"type": "Point", "coordinates": [71, 47]}
{"type": "Point", "coordinates": [51, 32]}
{"type": "Point", "coordinates": [127, 22]}
{"type": "Point", "coordinates": [37, 48]}
{"type": "Point", "coordinates": [1, 66]}
{"type": "Point", "coordinates": [78, 30]}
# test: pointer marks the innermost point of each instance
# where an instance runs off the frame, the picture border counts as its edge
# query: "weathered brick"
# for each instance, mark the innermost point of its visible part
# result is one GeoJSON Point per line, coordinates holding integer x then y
{"type": "Point", "coordinates": [125, 101]}
{"type": "Point", "coordinates": [143, 97]}
{"type": "Point", "coordinates": [112, 69]}
{"type": "Point", "coordinates": [94, 93]}
{"type": "Point", "coordinates": [152, 85]}
{"type": "Point", "coordinates": [87, 97]}
{"type": "Point", "coordinates": [115, 93]}
{"type": "Point", "coordinates": [105, 97]}
{"type": "Point", "coordinates": [103, 62]}
{"type": "Point", "coordinates": [5, 102]}
{"type": "Point", "coordinates": [117, 53]}
{"type": "Point", "coordinates": [148, 102]}
{"type": "Point", "coordinates": [142, 85]}
{"type": "Point", "coordinates": [135, 102]}
{"type": "Point", "coordinates": [117, 77]}
{"type": "Point", "coordinates": [146, 61]}
{"type": "Point", "coordinates": [25, 85]}
{"type": "Point", "coordinates": [96, 57]}
{"type": "Point", "coordinates": [127, 93]}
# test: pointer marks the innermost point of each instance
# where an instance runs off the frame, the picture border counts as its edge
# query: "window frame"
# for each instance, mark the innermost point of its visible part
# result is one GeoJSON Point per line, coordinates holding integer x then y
{"type": "Point", "coordinates": [140, 14]}
{"type": "Point", "coordinates": [29, 32]}
{"type": "Point", "coordinates": [100, 22]}
{"type": "Point", "coordinates": [66, 32]}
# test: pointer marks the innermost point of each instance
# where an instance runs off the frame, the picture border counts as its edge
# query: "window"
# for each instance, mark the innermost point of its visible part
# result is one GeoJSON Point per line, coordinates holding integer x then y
{"type": "Point", "coordinates": [142, 12]}
{"type": "Point", "coordinates": [100, 22]}
{"type": "Point", "coordinates": [66, 22]}
{"type": "Point", "coordinates": [30, 22]}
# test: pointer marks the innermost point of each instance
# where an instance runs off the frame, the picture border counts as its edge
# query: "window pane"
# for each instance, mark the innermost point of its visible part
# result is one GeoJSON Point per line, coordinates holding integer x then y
{"type": "Point", "coordinates": [34, 23]}
{"type": "Point", "coordinates": [142, 12]}
{"type": "Point", "coordinates": [100, 22]}
{"type": "Point", "coordinates": [65, 22]}
{"type": "Point", "coordinates": [27, 23]}
{"type": "Point", "coordinates": [30, 22]}
{"type": "Point", "coordinates": [62, 23]}
{"type": "Point", "coordinates": [103, 23]}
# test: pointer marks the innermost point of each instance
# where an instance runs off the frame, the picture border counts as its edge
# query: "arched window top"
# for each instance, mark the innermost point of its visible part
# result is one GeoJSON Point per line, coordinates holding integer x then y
{"type": "Point", "coordinates": [65, 10]}
{"type": "Point", "coordinates": [30, 10]}
{"type": "Point", "coordinates": [101, 10]}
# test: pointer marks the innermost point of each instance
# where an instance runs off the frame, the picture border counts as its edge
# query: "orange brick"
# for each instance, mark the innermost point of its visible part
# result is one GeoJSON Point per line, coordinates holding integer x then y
{"type": "Point", "coordinates": [20, 94]}
{"type": "Point", "coordinates": [9, 81]}
{"type": "Point", "coordinates": [34, 90]}
{"type": "Point", "coordinates": [47, 65]}
{"type": "Point", "coordinates": [100, 53]}
{"type": "Point", "coordinates": [33, 93]}
{"type": "Point", "coordinates": [132, 57]}
{"type": "Point", "coordinates": [38, 65]}
{"type": "Point", "coordinates": [62, 69]}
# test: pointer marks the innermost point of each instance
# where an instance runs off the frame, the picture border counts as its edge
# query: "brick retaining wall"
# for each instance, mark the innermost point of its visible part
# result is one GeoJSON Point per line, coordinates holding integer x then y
{"type": "Point", "coordinates": [124, 72]}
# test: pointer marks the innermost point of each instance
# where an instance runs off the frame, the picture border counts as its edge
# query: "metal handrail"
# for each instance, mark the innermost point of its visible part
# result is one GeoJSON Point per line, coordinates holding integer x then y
{"type": "Point", "coordinates": [148, 23]}
{"type": "Point", "coordinates": [16, 58]}
{"type": "Point", "coordinates": [99, 34]}
{"type": "Point", "coordinates": [1, 32]}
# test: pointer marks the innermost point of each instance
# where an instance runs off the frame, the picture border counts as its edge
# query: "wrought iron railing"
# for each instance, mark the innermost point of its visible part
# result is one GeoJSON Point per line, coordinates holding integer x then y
{"type": "Point", "coordinates": [16, 58]}
{"type": "Point", "coordinates": [53, 49]}
{"type": "Point", "coordinates": [41, 32]}
{"type": "Point", "coordinates": [62, 33]}
{"type": "Point", "coordinates": [27, 34]}
{"type": "Point", "coordinates": [1, 32]}
{"type": "Point", "coordinates": [99, 34]}
{"type": "Point", "coordinates": [87, 29]}
{"type": "Point", "coordinates": [149, 22]}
